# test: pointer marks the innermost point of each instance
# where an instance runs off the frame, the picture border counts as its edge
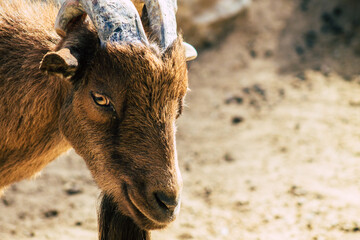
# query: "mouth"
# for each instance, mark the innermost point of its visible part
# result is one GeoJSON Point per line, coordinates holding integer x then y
{"type": "Point", "coordinates": [139, 216]}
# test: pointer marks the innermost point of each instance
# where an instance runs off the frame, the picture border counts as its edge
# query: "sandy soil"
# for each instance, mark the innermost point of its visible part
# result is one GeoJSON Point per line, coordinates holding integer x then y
{"type": "Point", "coordinates": [269, 143]}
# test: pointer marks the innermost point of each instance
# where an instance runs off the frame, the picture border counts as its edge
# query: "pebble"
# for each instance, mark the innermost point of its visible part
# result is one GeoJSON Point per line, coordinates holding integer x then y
{"type": "Point", "coordinates": [51, 213]}
{"type": "Point", "coordinates": [237, 119]}
{"type": "Point", "coordinates": [72, 189]}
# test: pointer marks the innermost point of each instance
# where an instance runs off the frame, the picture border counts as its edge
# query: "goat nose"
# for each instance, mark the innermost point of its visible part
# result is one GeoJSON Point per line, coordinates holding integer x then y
{"type": "Point", "coordinates": [167, 202]}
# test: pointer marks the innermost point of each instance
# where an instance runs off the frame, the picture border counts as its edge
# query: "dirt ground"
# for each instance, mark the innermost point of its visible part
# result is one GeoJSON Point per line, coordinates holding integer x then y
{"type": "Point", "coordinates": [269, 144]}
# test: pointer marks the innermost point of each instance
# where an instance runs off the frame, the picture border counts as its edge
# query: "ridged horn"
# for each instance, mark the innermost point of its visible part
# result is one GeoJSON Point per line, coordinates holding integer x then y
{"type": "Point", "coordinates": [114, 20]}
{"type": "Point", "coordinates": [162, 19]}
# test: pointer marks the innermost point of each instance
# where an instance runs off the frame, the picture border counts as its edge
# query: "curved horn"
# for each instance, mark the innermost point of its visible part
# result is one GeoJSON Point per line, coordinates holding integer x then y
{"type": "Point", "coordinates": [115, 20]}
{"type": "Point", "coordinates": [162, 20]}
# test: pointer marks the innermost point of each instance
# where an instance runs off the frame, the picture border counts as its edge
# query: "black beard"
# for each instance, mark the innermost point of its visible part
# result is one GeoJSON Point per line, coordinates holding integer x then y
{"type": "Point", "coordinates": [113, 225]}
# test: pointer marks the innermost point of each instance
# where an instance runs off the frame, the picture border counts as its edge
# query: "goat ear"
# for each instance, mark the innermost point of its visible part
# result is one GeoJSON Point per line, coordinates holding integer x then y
{"type": "Point", "coordinates": [61, 62]}
{"type": "Point", "coordinates": [190, 52]}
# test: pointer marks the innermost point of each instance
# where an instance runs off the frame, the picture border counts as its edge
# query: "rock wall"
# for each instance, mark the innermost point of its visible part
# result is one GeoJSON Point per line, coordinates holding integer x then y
{"type": "Point", "coordinates": [203, 22]}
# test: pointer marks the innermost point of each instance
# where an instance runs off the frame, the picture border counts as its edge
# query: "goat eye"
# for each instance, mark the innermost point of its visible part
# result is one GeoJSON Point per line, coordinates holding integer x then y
{"type": "Point", "coordinates": [101, 100]}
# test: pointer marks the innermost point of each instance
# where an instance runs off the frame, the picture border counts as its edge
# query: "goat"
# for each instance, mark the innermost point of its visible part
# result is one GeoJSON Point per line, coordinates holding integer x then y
{"type": "Point", "coordinates": [103, 87]}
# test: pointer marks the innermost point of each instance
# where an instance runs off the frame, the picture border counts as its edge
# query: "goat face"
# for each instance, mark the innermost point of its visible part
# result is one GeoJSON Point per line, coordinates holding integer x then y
{"type": "Point", "coordinates": [126, 95]}
{"type": "Point", "coordinates": [120, 117]}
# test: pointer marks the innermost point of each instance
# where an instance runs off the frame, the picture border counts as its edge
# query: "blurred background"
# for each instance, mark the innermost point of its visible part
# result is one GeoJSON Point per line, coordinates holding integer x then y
{"type": "Point", "coordinates": [269, 143]}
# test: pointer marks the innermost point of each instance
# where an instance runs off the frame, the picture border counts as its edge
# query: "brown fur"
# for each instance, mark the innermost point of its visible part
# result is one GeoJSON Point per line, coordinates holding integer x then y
{"type": "Point", "coordinates": [129, 148]}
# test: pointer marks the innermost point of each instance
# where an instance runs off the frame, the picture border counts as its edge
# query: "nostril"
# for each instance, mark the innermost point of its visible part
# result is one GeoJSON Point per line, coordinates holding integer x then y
{"type": "Point", "coordinates": [165, 201]}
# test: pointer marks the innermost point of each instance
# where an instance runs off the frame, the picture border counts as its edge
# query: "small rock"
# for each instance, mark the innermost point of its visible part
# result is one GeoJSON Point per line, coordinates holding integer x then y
{"type": "Point", "coordinates": [269, 53]}
{"type": "Point", "coordinates": [242, 203]}
{"type": "Point", "coordinates": [318, 238]}
{"type": "Point", "coordinates": [185, 236]}
{"type": "Point", "coordinates": [237, 119]}
{"type": "Point", "coordinates": [51, 213]}
{"type": "Point", "coordinates": [187, 167]}
{"type": "Point", "coordinates": [350, 227]}
{"type": "Point", "coordinates": [22, 215]}
{"type": "Point", "coordinates": [229, 158]}
{"type": "Point", "coordinates": [253, 53]}
{"type": "Point", "coordinates": [310, 38]}
{"type": "Point", "coordinates": [246, 90]}
{"type": "Point", "coordinates": [326, 17]}
{"type": "Point", "coordinates": [7, 202]}
{"type": "Point", "coordinates": [281, 92]}
{"type": "Point", "coordinates": [254, 103]}
{"type": "Point", "coordinates": [299, 50]}
{"type": "Point", "coordinates": [207, 192]}
{"type": "Point", "coordinates": [330, 24]}
{"type": "Point", "coordinates": [309, 226]}
{"type": "Point", "coordinates": [78, 223]}
{"type": "Point", "coordinates": [234, 99]}
{"type": "Point", "coordinates": [72, 189]}
{"type": "Point", "coordinates": [297, 191]}
{"type": "Point", "coordinates": [304, 5]}
{"type": "Point", "coordinates": [301, 76]}
{"type": "Point", "coordinates": [259, 90]}
{"type": "Point", "coordinates": [354, 103]}
{"type": "Point", "coordinates": [30, 234]}
{"type": "Point", "coordinates": [337, 11]}
{"type": "Point", "coordinates": [283, 149]}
